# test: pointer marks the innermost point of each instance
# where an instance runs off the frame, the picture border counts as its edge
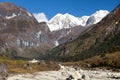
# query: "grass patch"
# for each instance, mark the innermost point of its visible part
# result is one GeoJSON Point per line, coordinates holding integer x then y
{"type": "Point", "coordinates": [111, 60]}
{"type": "Point", "coordinates": [23, 66]}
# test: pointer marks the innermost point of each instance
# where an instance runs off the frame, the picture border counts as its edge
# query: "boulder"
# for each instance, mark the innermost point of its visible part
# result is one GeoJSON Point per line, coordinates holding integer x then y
{"type": "Point", "coordinates": [3, 71]}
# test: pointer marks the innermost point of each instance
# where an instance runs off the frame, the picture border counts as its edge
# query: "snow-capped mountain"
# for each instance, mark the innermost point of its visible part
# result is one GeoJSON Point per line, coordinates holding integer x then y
{"type": "Point", "coordinates": [41, 17]}
{"type": "Point", "coordinates": [96, 17]}
{"type": "Point", "coordinates": [83, 20]}
{"type": "Point", "coordinates": [61, 21]}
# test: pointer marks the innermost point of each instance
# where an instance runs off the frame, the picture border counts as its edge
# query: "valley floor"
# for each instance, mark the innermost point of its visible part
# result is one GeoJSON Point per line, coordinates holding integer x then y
{"type": "Point", "coordinates": [63, 74]}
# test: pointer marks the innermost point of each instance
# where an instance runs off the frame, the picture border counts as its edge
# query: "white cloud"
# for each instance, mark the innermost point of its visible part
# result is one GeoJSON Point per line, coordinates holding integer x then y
{"type": "Point", "coordinates": [41, 17]}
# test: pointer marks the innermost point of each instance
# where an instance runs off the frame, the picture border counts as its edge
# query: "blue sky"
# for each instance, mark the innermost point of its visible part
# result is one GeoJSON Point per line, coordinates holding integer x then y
{"type": "Point", "coordinates": [77, 8]}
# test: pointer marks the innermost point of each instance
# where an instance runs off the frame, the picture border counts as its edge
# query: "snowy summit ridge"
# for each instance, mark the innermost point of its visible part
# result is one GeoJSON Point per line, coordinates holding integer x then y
{"type": "Point", "coordinates": [61, 21]}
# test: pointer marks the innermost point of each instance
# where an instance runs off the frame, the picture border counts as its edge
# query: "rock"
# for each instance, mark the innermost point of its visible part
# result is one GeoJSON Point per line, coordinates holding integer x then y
{"type": "Point", "coordinates": [3, 71]}
{"type": "Point", "coordinates": [83, 76]}
{"type": "Point", "coordinates": [27, 66]}
{"type": "Point", "coordinates": [69, 73]}
{"type": "Point", "coordinates": [70, 78]}
{"type": "Point", "coordinates": [115, 77]}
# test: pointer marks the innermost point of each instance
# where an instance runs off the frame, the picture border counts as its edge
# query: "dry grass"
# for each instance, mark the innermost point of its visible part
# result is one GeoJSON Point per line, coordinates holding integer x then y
{"type": "Point", "coordinates": [111, 60]}
{"type": "Point", "coordinates": [19, 66]}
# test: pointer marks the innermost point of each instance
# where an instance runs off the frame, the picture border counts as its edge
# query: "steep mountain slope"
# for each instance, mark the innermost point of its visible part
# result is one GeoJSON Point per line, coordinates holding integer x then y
{"type": "Point", "coordinates": [61, 21]}
{"type": "Point", "coordinates": [65, 27]}
{"type": "Point", "coordinates": [67, 34]}
{"type": "Point", "coordinates": [96, 40]}
{"type": "Point", "coordinates": [19, 31]}
{"type": "Point", "coordinates": [22, 36]}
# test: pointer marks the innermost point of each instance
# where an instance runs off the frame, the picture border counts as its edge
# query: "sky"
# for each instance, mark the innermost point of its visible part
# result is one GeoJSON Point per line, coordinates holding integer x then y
{"type": "Point", "coordinates": [77, 8]}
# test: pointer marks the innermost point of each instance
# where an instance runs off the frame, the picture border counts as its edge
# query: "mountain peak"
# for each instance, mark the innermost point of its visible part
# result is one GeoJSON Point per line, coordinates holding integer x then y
{"type": "Point", "coordinates": [98, 39]}
{"type": "Point", "coordinates": [61, 21]}
{"type": "Point", "coordinates": [100, 13]}
{"type": "Point", "coordinates": [96, 17]}
{"type": "Point", "coordinates": [67, 20]}
{"type": "Point", "coordinates": [67, 14]}
{"type": "Point", "coordinates": [7, 5]}
{"type": "Point", "coordinates": [59, 14]}
{"type": "Point", "coordinates": [10, 10]}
